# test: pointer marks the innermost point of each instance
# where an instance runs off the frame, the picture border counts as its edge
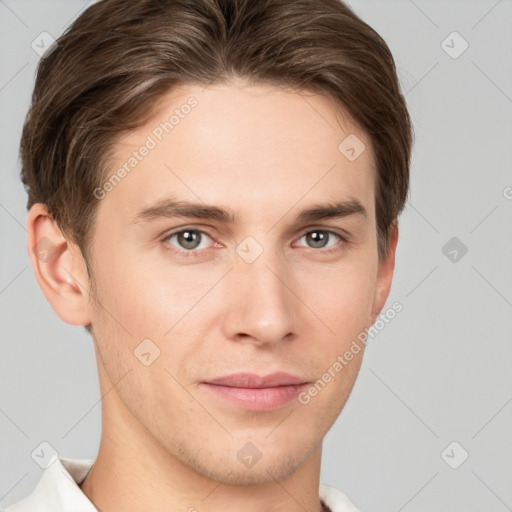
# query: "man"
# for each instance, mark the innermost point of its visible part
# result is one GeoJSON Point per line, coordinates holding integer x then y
{"type": "Point", "coordinates": [214, 189]}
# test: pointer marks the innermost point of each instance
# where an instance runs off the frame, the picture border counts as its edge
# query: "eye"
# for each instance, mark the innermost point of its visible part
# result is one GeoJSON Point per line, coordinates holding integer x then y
{"type": "Point", "coordinates": [318, 238]}
{"type": "Point", "coordinates": [188, 239]}
{"type": "Point", "coordinates": [192, 241]}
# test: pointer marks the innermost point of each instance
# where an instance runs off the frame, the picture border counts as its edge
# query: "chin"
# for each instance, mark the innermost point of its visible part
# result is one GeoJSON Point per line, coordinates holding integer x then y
{"type": "Point", "coordinates": [231, 471]}
{"type": "Point", "coordinates": [260, 473]}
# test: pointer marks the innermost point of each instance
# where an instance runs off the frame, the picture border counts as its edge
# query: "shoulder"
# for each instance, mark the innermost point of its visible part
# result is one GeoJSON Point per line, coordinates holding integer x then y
{"type": "Point", "coordinates": [336, 500]}
{"type": "Point", "coordinates": [57, 490]}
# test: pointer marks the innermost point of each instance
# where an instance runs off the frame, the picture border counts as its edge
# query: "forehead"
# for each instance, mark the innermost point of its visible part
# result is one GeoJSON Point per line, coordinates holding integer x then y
{"type": "Point", "coordinates": [242, 146]}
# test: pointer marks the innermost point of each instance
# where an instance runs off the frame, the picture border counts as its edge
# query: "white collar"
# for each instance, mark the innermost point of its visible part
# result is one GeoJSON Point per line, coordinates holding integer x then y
{"type": "Point", "coordinates": [58, 491]}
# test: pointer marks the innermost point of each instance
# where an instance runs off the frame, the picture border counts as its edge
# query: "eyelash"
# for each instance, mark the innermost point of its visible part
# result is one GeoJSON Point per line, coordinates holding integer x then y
{"type": "Point", "coordinates": [199, 252]}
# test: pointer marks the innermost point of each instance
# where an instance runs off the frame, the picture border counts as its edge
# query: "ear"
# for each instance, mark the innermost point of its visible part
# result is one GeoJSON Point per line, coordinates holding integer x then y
{"type": "Point", "coordinates": [385, 274]}
{"type": "Point", "coordinates": [58, 266]}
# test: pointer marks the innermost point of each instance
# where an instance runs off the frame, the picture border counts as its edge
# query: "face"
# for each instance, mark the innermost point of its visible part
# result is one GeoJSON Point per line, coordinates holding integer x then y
{"type": "Point", "coordinates": [244, 280]}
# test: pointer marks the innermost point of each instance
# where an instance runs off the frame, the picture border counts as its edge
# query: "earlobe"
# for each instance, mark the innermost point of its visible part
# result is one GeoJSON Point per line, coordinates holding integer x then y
{"type": "Point", "coordinates": [57, 266]}
{"type": "Point", "coordinates": [385, 275]}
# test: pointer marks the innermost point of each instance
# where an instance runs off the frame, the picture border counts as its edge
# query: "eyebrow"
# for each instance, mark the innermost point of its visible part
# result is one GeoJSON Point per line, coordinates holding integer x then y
{"type": "Point", "coordinates": [170, 208]}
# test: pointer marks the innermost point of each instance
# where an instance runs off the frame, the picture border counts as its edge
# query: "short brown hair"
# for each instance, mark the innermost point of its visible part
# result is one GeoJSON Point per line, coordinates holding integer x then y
{"type": "Point", "coordinates": [114, 63]}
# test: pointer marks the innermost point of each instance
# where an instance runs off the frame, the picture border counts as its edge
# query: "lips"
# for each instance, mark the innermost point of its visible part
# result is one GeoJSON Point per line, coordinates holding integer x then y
{"type": "Point", "coordinates": [256, 392]}
{"type": "Point", "coordinates": [252, 380]}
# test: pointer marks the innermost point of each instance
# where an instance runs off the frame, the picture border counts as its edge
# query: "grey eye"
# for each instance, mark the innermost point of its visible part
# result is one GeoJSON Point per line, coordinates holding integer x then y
{"type": "Point", "coordinates": [188, 239]}
{"type": "Point", "coordinates": [318, 238]}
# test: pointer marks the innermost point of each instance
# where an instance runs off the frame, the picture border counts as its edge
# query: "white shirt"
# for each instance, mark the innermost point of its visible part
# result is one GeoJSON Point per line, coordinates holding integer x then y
{"type": "Point", "coordinates": [58, 491]}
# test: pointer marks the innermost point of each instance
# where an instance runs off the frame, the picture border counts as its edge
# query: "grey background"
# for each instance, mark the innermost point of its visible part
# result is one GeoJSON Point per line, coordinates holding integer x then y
{"type": "Point", "coordinates": [438, 373]}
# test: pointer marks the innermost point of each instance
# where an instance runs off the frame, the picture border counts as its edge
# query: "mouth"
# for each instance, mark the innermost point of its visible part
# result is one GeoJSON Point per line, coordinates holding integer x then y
{"type": "Point", "coordinates": [257, 392]}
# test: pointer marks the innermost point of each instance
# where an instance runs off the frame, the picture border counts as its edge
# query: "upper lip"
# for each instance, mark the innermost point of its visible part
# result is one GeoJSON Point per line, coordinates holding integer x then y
{"type": "Point", "coordinates": [252, 380]}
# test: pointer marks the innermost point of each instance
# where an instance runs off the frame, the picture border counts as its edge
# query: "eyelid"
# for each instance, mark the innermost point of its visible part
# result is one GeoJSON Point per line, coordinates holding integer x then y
{"type": "Point", "coordinates": [336, 231]}
{"type": "Point", "coordinates": [176, 250]}
{"type": "Point", "coordinates": [344, 239]}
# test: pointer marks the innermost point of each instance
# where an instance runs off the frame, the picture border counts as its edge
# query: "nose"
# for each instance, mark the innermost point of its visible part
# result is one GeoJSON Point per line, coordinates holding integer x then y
{"type": "Point", "coordinates": [260, 304]}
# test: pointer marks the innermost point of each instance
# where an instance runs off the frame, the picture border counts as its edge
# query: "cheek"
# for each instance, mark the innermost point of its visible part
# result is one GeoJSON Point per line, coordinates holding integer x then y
{"type": "Point", "coordinates": [149, 301]}
{"type": "Point", "coordinates": [342, 299]}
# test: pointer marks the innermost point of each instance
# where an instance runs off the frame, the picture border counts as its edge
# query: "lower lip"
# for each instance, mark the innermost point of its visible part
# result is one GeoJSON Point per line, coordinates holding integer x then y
{"type": "Point", "coordinates": [257, 399]}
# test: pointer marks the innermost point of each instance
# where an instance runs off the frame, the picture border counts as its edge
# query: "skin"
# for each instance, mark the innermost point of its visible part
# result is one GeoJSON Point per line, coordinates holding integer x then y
{"type": "Point", "coordinates": [265, 153]}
